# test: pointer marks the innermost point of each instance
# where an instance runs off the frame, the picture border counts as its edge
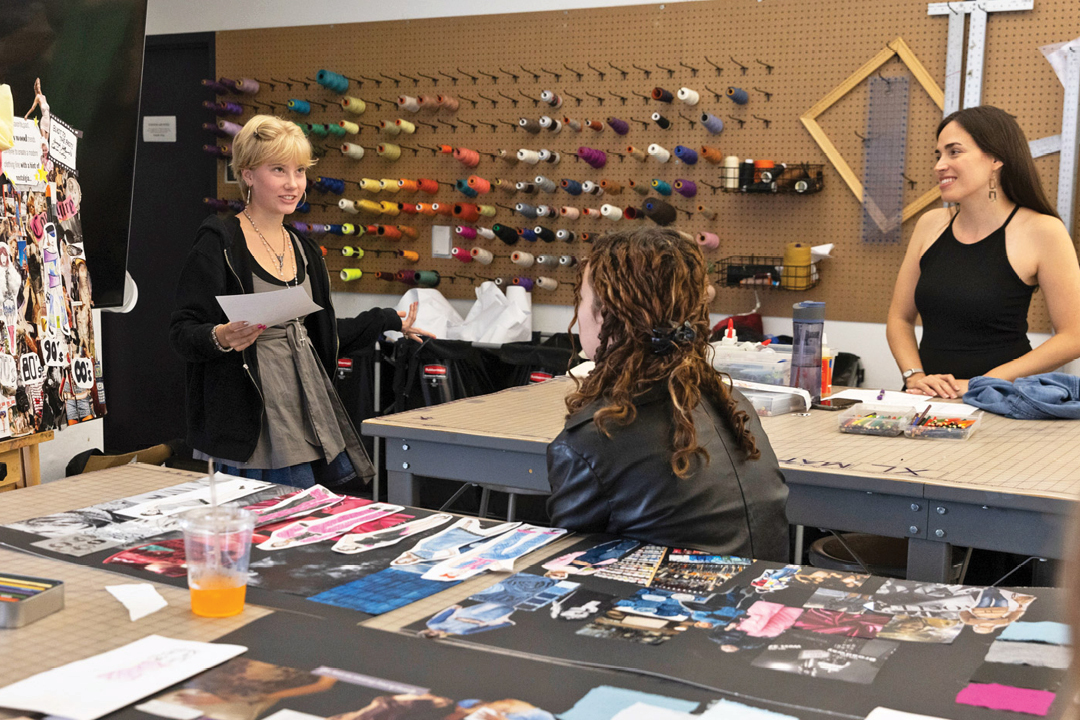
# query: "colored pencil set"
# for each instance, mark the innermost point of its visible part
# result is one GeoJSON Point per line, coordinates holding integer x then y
{"type": "Point", "coordinates": [14, 588]}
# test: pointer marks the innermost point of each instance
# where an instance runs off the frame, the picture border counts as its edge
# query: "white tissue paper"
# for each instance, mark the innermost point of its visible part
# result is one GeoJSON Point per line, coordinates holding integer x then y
{"type": "Point", "coordinates": [1057, 54]}
{"type": "Point", "coordinates": [434, 314]}
{"type": "Point", "coordinates": [496, 318]}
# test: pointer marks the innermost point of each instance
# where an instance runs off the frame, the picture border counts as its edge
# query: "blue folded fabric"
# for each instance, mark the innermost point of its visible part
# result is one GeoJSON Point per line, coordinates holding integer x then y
{"type": "Point", "coordinates": [1050, 396]}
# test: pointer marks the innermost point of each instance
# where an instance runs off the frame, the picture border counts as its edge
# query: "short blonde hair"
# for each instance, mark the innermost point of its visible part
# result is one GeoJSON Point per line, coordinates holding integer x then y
{"type": "Point", "coordinates": [268, 139]}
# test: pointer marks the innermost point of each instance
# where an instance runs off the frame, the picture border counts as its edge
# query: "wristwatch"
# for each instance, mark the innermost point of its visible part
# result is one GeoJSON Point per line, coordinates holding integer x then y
{"type": "Point", "coordinates": [912, 371]}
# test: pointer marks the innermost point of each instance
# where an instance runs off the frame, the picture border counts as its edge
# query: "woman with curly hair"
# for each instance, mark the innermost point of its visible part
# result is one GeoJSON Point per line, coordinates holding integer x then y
{"type": "Point", "coordinates": [656, 447]}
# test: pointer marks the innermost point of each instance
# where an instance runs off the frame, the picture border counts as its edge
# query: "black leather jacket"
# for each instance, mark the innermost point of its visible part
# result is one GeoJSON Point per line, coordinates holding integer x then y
{"type": "Point", "coordinates": [624, 485]}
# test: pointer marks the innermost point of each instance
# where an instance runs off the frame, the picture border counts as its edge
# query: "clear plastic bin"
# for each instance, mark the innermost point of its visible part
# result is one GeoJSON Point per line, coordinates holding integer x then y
{"type": "Point", "coordinates": [768, 404]}
{"type": "Point", "coordinates": [761, 367]}
{"type": "Point", "coordinates": [945, 428]}
{"type": "Point", "coordinates": [871, 419]}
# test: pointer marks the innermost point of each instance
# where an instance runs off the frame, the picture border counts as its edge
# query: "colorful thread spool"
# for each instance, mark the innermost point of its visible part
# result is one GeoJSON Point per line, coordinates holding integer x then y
{"type": "Point", "coordinates": [527, 233]}
{"type": "Point", "coordinates": [551, 98]}
{"type": "Point", "coordinates": [527, 187]}
{"type": "Point", "coordinates": [564, 235]}
{"type": "Point", "coordinates": [216, 87]}
{"type": "Point", "coordinates": [661, 95]}
{"type": "Point", "coordinates": [462, 186]}
{"type": "Point", "coordinates": [632, 213]}
{"type": "Point", "coordinates": [349, 251]}
{"type": "Point", "coordinates": [640, 188]}
{"type": "Point", "coordinates": [487, 210]}
{"type": "Point", "coordinates": [409, 256]}
{"type": "Point", "coordinates": [549, 156]}
{"type": "Point", "coordinates": [370, 185]}
{"type": "Point", "coordinates": [387, 231]}
{"type": "Point", "coordinates": [389, 185]}
{"type": "Point", "coordinates": [349, 126]}
{"type": "Point", "coordinates": [522, 259]}
{"type": "Point", "coordinates": [218, 150]}
{"type": "Point", "coordinates": [708, 240]}
{"type": "Point", "coordinates": [461, 254]}
{"type": "Point", "coordinates": [389, 208]}
{"type": "Point", "coordinates": [429, 103]}
{"type": "Point", "coordinates": [214, 129]}
{"type": "Point", "coordinates": [348, 206]}
{"type": "Point", "coordinates": [738, 95]}
{"type": "Point", "coordinates": [335, 130]}
{"type": "Point", "coordinates": [596, 125]}
{"type": "Point", "coordinates": [509, 157]}
{"type": "Point", "coordinates": [661, 186]}
{"type": "Point", "coordinates": [550, 124]}
{"type": "Point", "coordinates": [545, 234]}
{"type": "Point", "coordinates": [595, 158]}
{"type": "Point", "coordinates": [408, 208]}
{"type": "Point", "coordinates": [686, 155]}
{"type": "Point", "coordinates": [426, 209]}
{"type": "Point", "coordinates": [705, 212]}
{"type": "Point", "coordinates": [388, 151]}
{"type": "Point", "coordinates": [479, 184]}
{"type": "Point", "coordinates": [316, 129]}
{"type": "Point", "coordinates": [299, 106]}
{"type": "Point", "coordinates": [352, 151]}
{"type": "Point", "coordinates": [468, 158]}
{"type": "Point", "coordinates": [660, 212]}
{"type": "Point", "coordinates": [406, 127]}
{"type": "Point", "coordinates": [546, 211]}
{"type": "Point", "coordinates": [446, 209]}
{"type": "Point", "coordinates": [546, 184]}
{"type": "Point", "coordinates": [621, 127]}
{"type": "Point", "coordinates": [711, 155]}
{"type": "Point", "coordinates": [428, 186]}
{"type": "Point", "coordinates": [466, 231]}
{"type": "Point", "coordinates": [591, 212]}
{"type": "Point", "coordinates": [573, 187]}
{"type": "Point", "coordinates": [505, 233]}
{"type": "Point", "coordinates": [466, 212]}
{"type": "Point", "coordinates": [524, 282]}
{"type": "Point", "coordinates": [686, 188]}
{"type": "Point", "coordinates": [570, 213]}
{"type": "Point", "coordinates": [448, 103]}
{"type": "Point", "coordinates": [332, 81]}
{"type": "Point", "coordinates": [350, 274]}
{"type": "Point", "coordinates": [591, 188]}
{"type": "Point", "coordinates": [526, 210]}
{"type": "Point", "coordinates": [230, 128]}
{"type": "Point", "coordinates": [389, 127]}
{"type": "Point", "coordinates": [409, 186]}
{"type": "Point", "coordinates": [662, 122]}
{"type": "Point", "coordinates": [406, 276]}
{"type": "Point", "coordinates": [636, 153]}
{"type": "Point", "coordinates": [409, 103]}
{"type": "Point", "coordinates": [611, 212]}
{"type": "Point", "coordinates": [408, 231]}
{"type": "Point", "coordinates": [611, 187]}
{"type": "Point", "coordinates": [428, 278]}
{"type": "Point", "coordinates": [574, 125]}
{"type": "Point", "coordinates": [482, 256]}
{"type": "Point", "coordinates": [546, 283]}
{"type": "Point", "coordinates": [712, 123]}
{"type": "Point", "coordinates": [329, 184]}
{"type": "Point", "coordinates": [547, 260]}
{"type": "Point", "coordinates": [218, 205]}
{"type": "Point", "coordinates": [688, 96]}
{"type": "Point", "coordinates": [529, 125]}
{"type": "Point", "coordinates": [567, 261]}
{"type": "Point", "coordinates": [354, 105]}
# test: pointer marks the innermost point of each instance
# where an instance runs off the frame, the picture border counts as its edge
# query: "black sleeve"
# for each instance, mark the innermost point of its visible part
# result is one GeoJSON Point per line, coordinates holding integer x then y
{"type": "Point", "coordinates": [577, 500]}
{"type": "Point", "coordinates": [197, 311]}
{"type": "Point", "coordinates": [365, 329]}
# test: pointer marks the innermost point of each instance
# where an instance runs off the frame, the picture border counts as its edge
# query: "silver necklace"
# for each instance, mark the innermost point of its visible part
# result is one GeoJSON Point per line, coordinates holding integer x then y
{"type": "Point", "coordinates": [278, 257]}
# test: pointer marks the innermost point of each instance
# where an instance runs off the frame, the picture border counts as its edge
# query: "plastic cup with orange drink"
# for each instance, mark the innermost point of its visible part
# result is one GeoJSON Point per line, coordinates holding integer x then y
{"type": "Point", "coordinates": [217, 544]}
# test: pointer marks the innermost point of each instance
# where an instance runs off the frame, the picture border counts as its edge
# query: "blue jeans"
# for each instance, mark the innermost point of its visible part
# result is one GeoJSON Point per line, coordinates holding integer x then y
{"type": "Point", "coordinates": [318, 472]}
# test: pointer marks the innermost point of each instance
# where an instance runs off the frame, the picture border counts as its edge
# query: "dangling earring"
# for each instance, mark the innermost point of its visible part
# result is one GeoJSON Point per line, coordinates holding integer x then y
{"type": "Point", "coordinates": [248, 196]}
{"type": "Point", "coordinates": [304, 199]}
{"type": "Point", "coordinates": [993, 189]}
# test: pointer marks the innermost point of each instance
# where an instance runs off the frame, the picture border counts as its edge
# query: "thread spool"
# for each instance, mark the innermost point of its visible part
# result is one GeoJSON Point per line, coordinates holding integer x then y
{"type": "Point", "coordinates": [546, 184]}
{"type": "Point", "coordinates": [524, 282]}
{"type": "Point", "coordinates": [348, 206]}
{"type": "Point", "coordinates": [409, 256]}
{"type": "Point", "coordinates": [596, 125]}
{"type": "Point", "coordinates": [449, 103]}
{"type": "Point", "coordinates": [611, 187]}
{"type": "Point", "coordinates": [549, 156]}
{"type": "Point", "coordinates": [389, 127]}
{"type": "Point", "coordinates": [408, 231]}
{"type": "Point", "coordinates": [487, 210]}
{"type": "Point", "coordinates": [705, 212]}
{"type": "Point", "coordinates": [529, 125]}
{"type": "Point", "coordinates": [429, 103]}
{"type": "Point", "coordinates": [349, 251]}
{"type": "Point", "coordinates": [446, 209]}
{"type": "Point", "coordinates": [408, 102]}
{"type": "Point", "coordinates": [486, 233]}
{"type": "Point", "coordinates": [746, 173]}
{"type": "Point", "coordinates": [632, 213]}
{"type": "Point", "coordinates": [611, 212]}
{"type": "Point", "coordinates": [549, 124]}
{"type": "Point", "coordinates": [591, 212]}
{"type": "Point", "coordinates": [574, 125]}
{"type": "Point", "coordinates": [389, 185]}
{"type": "Point", "coordinates": [467, 212]}
{"type": "Point", "coordinates": [507, 234]}
{"type": "Point", "coordinates": [661, 187]}
{"type": "Point", "coordinates": [482, 256]}
{"type": "Point", "coordinates": [428, 186]}
{"type": "Point", "coordinates": [659, 153]}
{"type": "Point", "coordinates": [546, 283]}
{"type": "Point", "coordinates": [389, 208]}
{"type": "Point", "coordinates": [468, 158]}
{"type": "Point", "coordinates": [336, 130]}
{"type": "Point", "coordinates": [595, 158]}
{"type": "Point", "coordinates": [712, 123]}
{"type": "Point", "coordinates": [353, 151]}
{"type": "Point", "coordinates": [350, 274]}
{"type": "Point", "coordinates": [640, 188]}
{"type": "Point", "coordinates": [564, 235]}
{"type": "Point", "coordinates": [466, 231]}
{"type": "Point", "coordinates": [547, 260]}
{"type": "Point", "coordinates": [409, 186]}
{"type": "Point", "coordinates": [217, 87]}
{"type": "Point", "coordinates": [217, 131]}
{"type": "Point", "coordinates": [509, 156]}
{"type": "Point", "coordinates": [479, 184]}
{"type": "Point", "coordinates": [428, 278]}
{"type": "Point", "coordinates": [686, 188]}
{"type": "Point", "coordinates": [573, 187]}
{"type": "Point", "coordinates": [369, 206]}
{"type": "Point", "coordinates": [382, 275]}
{"type": "Point", "coordinates": [551, 98]}
{"type": "Point", "coordinates": [461, 254]}
{"type": "Point", "coordinates": [567, 261]}
{"type": "Point", "coordinates": [522, 259]}
{"type": "Point", "coordinates": [388, 151]}
{"type": "Point", "coordinates": [546, 211]}
{"type": "Point", "coordinates": [356, 106]}
{"type": "Point", "coordinates": [525, 210]}
{"type": "Point", "coordinates": [636, 153]}
{"type": "Point", "coordinates": [349, 127]}
{"type": "Point", "coordinates": [299, 106]}
{"type": "Point", "coordinates": [661, 121]}
{"type": "Point", "coordinates": [329, 184]}
{"type": "Point", "coordinates": [337, 229]}
{"type": "Point", "coordinates": [526, 187]}
{"type": "Point", "coordinates": [738, 95]}
{"type": "Point", "coordinates": [332, 81]}
{"type": "Point", "coordinates": [687, 155]}
{"type": "Point", "coordinates": [528, 156]}
{"type": "Point", "coordinates": [711, 155]}
{"type": "Point", "coordinates": [408, 208]}
{"type": "Point", "coordinates": [621, 127]}
{"type": "Point", "coordinates": [406, 276]}
{"type": "Point", "coordinates": [545, 234]}
{"type": "Point", "coordinates": [527, 233]}
{"type": "Point", "coordinates": [462, 186]}
{"type": "Point", "coordinates": [501, 282]}
{"type": "Point", "coordinates": [505, 185]}
{"type": "Point", "coordinates": [708, 240]}
{"type": "Point", "coordinates": [570, 213]}
{"type": "Point", "coordinates": [661, 95]}
{"type": "Point", "coordinates": [426, 209]}
{"type": "Point", "coordinates": [688, 96]}
{"type": "Point", "coordinates": [591, 188]}
{"type": "Point", "coordinates": [229, 128]}
{"type": "Point", "coordinates": [660, 212]}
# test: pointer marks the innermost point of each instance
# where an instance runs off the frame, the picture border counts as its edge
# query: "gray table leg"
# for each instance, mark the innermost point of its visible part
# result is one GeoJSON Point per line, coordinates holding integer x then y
{"type": "Point", "coordinates": [402, 488]}
{"type": "Point", "coordinates": [929, 561]}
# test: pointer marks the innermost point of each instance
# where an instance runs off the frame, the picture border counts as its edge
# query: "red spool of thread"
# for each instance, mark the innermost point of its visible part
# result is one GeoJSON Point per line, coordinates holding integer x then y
{"type": "Point", "coordinates": [630, 213]}
{"type": "Point", "coordinates": [406, 276]}
{"type": "Point", "coordinates": [467, 212]}
{"type": "Point", "coordinates": [371, 230]}
{"type": "Point", "coordinates": [446, 149]}
{"type": "Point", "coordinates": [443, 209]}
{"type": "Point", "coordinates": [408, 231]}
{"type": "Point", "coordinates": [385, 276]}
{"type": "Point", "coordinates": [461, 254]}
{"type": "Point", "coordinates": [408, 208]}
{"type": "Point", "coordinates": [467, 157]}
{"type": "Point", "coordinates": [428, 186]}
{"type": "Point", "coordinates": [410, 185]}
{"type": "Point", "coordinates": [388, 231]}
{"type": "Point", "coordinates": [596, 125]}
{"type": "Point", "coordinates": [479, 184]}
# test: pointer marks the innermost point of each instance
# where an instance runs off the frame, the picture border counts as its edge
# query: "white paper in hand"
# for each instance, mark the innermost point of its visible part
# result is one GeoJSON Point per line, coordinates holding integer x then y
{"type": "Point", "coordinates": [268, 308]}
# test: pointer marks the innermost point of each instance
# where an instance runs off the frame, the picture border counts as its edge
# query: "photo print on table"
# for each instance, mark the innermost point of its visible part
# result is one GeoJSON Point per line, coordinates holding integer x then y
{"type": "Point", "coordinates": [912, 628]}
{"type": "Point", "coordinates": [840, 600]}
{"type": "Point", "coordinates": [493, 608]}
{"type": "Point", "coordinates": [851, 660]}
{"type": "Point", "coordinates": [588, 562]}
{"type": "Point", "coordinates": [908, 597]}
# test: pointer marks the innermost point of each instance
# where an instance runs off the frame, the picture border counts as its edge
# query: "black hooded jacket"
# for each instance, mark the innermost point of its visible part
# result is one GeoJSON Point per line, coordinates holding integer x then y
{"type": "Point", "coordinates": [224, 396]}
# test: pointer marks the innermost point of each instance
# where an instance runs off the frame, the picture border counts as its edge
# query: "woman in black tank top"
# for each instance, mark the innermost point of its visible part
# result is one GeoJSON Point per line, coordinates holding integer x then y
{"type": "Point", "coordinates": [970, 272]}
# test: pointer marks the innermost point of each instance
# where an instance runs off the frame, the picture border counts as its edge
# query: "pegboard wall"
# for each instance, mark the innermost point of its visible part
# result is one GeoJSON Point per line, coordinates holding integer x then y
{"type": "Point", "coordinates": [786, 55]}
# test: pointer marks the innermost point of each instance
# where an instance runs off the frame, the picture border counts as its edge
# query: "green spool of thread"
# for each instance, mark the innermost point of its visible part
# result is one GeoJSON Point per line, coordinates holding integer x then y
{"type": "Point", "coordinates": [350, 274]}
{"type": "Point", "coordinates": [427, 278]}
{"type": "Point", "coordinates": [305, 127]}
{"type": "Point", "coordinates": [336, 130]}
{"type": "Point", "coordinates": [390, 151]}
{"type": "Point", "coordinates": [487, 210]}
{"type": "Point", "coordinates": [349, 251]}
{"type": "Point", "coordinates": [318, 130]}
{"type": "Point", "coordinates": [349, 127]}
{"type": "Point", "coordinates": [406, 127]}
{"type": "Point", "coordinates": [348, 229]}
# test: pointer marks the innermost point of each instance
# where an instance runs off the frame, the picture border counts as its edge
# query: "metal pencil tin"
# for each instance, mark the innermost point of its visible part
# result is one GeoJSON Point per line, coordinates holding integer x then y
{"type": "Point", "coordinates": [23, 612]}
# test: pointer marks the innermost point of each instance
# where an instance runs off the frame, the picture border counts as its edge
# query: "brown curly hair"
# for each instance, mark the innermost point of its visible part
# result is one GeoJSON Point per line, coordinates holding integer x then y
{"type": "Point", "coordinates": [643, 279]}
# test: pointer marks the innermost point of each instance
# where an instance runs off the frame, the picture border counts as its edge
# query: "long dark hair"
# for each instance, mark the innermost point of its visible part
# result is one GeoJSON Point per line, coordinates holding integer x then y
{"type": "Point", "coordinates": [643, 279]}
{"type": "Point", "coordinates": [998, 134]}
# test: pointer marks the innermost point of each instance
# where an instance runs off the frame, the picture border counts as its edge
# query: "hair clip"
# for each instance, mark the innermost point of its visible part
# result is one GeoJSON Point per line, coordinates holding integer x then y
{"type": "Point", "coordinates": [664, 340]}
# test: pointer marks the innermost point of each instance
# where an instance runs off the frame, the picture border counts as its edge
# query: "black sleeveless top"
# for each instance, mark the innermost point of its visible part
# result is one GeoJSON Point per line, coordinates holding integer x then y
{"type": "Point", "coordinates": [974, 306]}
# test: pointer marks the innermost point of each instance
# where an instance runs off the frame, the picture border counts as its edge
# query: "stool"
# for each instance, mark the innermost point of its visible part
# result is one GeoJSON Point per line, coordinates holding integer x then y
{"type": "Point", "coordinates": [884, 556]}
{"type": "Point", "coordinates": [485, 495]}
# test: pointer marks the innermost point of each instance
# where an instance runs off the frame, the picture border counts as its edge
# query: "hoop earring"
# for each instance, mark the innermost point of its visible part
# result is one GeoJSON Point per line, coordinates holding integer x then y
{"type": "Point", "coordinates": [303, 199]}
{"type": "Point", "coordinates": [993, 189]}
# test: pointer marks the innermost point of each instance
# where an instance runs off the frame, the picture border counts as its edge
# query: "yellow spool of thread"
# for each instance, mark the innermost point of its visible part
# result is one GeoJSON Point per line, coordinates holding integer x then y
{"type": "Point", "coordinates": [370, 184]}
{"type": "Point", "coordinates": [350, 274]}
{"type": "Point", "coordinates": [409, 256]}
{"type": "Point", "coordinates": [390, 151]}
{"type": "Point", "coordinates": [370, 206]}
{"type": "Point", "coordinates": [389, 208]}
{"type": "Point", "coordinates": [796, 274]}
{"type": "Point", "coordinates": [406, 127]}
{"type": "Point", "coordinates": [350, 127]}
{"type": "Point", "coordinates": [389, 127]}
{"type": "Point", "coordinates": [349, 251]}
{"type": "Point", "coordinates": [354, 105]}
{"type": "Point", "coordinates": [487, 210]}
{"type": "Point", "coordinates": [348, 229]}
{"type": "Point", "coordinates": [390, 186]}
